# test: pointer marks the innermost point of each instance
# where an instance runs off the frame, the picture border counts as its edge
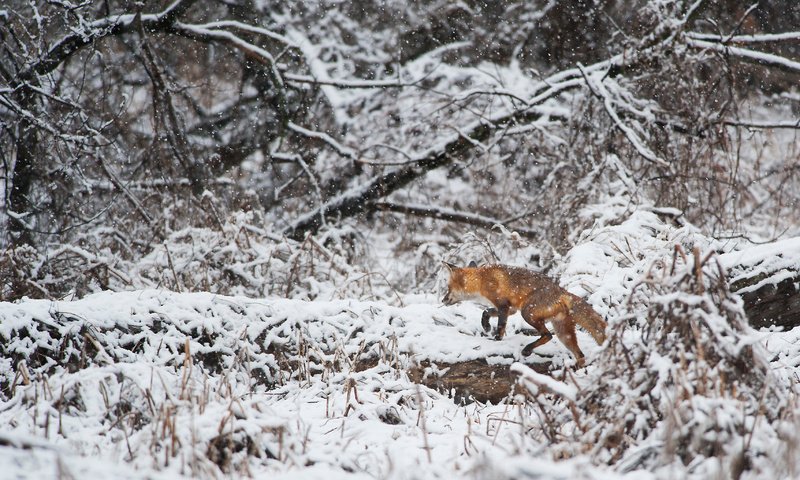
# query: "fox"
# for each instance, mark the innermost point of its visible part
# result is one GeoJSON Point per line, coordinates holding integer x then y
{"type": "Point", "coordinates": [536, 296]}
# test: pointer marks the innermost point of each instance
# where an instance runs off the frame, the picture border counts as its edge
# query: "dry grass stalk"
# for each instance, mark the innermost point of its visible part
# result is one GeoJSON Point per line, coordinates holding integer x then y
{"type": "Point", "coordinates": [421, 422]}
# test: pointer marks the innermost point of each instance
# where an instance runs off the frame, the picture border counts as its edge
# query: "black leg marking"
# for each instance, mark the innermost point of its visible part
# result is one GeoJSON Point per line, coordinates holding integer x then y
{"type": "Point", "coordinates": [487, 314]}
{"type": "Point", "coordinates": [502, 318]}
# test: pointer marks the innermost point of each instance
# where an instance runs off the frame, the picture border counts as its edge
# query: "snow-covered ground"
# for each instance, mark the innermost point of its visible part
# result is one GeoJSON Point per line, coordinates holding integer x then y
{"type": "Point", "coordinates": [158, 384]}
{"type": "Point", "coordinates": [154, 383]}
{"type": "Point", "coordinates": [139, 405]}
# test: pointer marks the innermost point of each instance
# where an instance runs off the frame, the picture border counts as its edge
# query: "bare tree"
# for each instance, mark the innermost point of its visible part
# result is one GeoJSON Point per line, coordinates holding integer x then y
{"type": "Point", "coordinates": [123, 123]}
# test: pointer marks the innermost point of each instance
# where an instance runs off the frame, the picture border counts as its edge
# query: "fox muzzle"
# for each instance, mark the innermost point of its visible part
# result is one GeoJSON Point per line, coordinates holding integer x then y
{"type": "Point", "coordinates": [448, 299]}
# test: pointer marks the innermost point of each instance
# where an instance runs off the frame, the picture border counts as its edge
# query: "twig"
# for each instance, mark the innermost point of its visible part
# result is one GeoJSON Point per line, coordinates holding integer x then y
{"type": "Point", "coordinates": [423, 424]}
{"type": "Point", "coordinates": [187, 367]}
{"type": "Point", "coordinates": [172, 269]}
{"type": "Point", "coordinates": [698, 271]}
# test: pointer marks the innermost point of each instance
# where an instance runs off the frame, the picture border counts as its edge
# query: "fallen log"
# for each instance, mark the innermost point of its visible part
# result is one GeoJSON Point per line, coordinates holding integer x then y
{"type": "Point", "coordinates": [467, 381]}
{"type": "Point", "coordinates": [471, 380]}
{"type": "Point", "coordinates": [767, 277]}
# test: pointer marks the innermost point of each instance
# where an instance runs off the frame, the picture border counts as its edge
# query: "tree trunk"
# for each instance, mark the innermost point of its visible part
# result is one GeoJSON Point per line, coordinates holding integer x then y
{"type": "Point", "coordinates": [22, 176]}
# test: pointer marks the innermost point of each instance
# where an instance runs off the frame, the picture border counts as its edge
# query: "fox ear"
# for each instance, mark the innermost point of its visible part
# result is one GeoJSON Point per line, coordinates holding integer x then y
{"type": "Point", "coordinates": [472, 264]}
{"type": "Point", "coordinates": [450, 266]}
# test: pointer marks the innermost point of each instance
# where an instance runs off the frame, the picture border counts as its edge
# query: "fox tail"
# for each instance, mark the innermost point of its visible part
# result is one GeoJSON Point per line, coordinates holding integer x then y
{"type": "Point", "coordinates": [586, 317]}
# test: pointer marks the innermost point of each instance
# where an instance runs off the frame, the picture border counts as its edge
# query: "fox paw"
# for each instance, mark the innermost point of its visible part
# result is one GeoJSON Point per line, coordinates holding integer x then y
{"type": "Point", "coordinates": [527, 351]}
{"type": "Point", "coordinates": [532, 351]}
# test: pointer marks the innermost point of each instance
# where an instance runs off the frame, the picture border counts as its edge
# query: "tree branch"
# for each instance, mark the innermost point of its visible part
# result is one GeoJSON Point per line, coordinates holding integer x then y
{"type": "Point", "coordinates": [325, 138]}
{"type": "Point", "coordinates": [355, 200]}
{"type": "Point", "coordinates": [752, 56]}
{"type": "Point", "coordinates": [450, 216]}
{"type": "Point", "coordinates": [793, 124]}
{"type": "Point", "coordinates": [105, 27]}
{"type": "Point", "coordinates": [745, 39]}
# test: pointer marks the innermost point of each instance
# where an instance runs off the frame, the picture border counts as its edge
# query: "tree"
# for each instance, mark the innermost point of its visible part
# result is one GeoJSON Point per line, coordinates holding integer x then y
{"type": "Point", "coordinates": [124, 123]}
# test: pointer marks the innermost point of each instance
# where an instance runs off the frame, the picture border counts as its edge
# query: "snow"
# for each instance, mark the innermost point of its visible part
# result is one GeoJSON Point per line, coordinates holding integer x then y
{"type": "Point", "coordinates": [774, 261]}
{"type": "Point", "coordinates": [141, 407]}
{"type": "Point", "coordinates": [323, 425]}
{"type": "Point", "coordinates": [304, 367]}
{"type": "Point", "coordinates": [534, 381]}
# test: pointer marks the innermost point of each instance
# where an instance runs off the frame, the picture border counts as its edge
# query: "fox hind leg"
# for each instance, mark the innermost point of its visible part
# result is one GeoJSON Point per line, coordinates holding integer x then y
{"type": "Point", "coordinates": [536, 318]}
{"type": "Point", "coordinates": [559, 314]}
{"type": "Point", "coordinates": [564, 327]}
{"type": "Point", "coordinates": [529, 348]}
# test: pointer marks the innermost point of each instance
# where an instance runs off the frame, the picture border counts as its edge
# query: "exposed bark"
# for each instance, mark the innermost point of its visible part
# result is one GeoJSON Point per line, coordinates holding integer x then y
{"type": "Point", "coordinates": [774, 303]}
{"type": "Point", "coordinates": [467, 381]}
{"type": "Point", "coordinates": [473, 380]}
{"type": "Point", "coordinates": [768, 280]}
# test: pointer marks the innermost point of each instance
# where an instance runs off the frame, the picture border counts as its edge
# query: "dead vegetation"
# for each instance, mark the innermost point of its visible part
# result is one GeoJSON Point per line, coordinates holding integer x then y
{"type": "Point", "coordinates": [234, 257]}
{"type": "Point", "coordinates": [693, 386]}
{"type": "Point", "coordinates": [679, 379]}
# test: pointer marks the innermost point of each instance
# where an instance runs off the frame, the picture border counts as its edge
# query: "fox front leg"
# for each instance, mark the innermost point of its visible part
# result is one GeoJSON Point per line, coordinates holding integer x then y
{"type": "Point", "coordinates": [487, 314]}
{"type": "Point", "coordinates": [502, 318]}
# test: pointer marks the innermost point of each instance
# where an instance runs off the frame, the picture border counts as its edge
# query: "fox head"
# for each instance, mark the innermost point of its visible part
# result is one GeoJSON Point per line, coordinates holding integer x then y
{"type": "Point", "coordinates": [457, 285]}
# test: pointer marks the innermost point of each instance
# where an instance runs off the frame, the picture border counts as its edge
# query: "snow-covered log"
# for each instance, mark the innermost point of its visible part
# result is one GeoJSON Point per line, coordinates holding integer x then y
{"type": "Point", "coordinates": [767, 278]}
{"type": "Point", "coordinates": [265, 343]}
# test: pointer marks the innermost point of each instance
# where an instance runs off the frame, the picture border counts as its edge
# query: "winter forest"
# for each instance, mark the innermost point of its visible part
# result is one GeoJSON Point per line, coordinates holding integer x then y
{"type": "Point", "coordinates": [224, 228]}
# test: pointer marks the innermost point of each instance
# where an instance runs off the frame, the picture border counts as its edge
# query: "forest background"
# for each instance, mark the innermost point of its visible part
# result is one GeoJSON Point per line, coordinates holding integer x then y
{"type": "Point", "coordinates": [644, 152]}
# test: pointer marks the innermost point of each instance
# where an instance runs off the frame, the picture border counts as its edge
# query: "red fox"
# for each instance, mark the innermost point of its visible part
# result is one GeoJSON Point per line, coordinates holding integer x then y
{"type": "Point", "coordinates": [537, 297]}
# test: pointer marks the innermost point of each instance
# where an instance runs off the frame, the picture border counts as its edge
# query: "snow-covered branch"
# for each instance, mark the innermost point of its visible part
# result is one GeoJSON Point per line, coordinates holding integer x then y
{"type": "Point", "coordinates": [744, 39]}
{"type": "Point", "coordinates": [753, 56]}
{"type": "Point", "coordinates": [598, 88]}
{"type": "Point", "coordinates": [450, 215]}
{"type": "Point", "coordinates": [347, 83]}
{"type": "Point", "coordinates": [325, 138]}
{"type": "Point", "coordinates": [244, 27]}
{"type": "Point", "coordinates": [105, 27]}
{"type": "Point", "coordinates": [249, 49]}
